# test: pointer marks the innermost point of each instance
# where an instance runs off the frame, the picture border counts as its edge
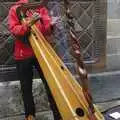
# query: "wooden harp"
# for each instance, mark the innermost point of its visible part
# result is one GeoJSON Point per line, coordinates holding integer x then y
{"type": "Point", "coordinates": [66, 91]}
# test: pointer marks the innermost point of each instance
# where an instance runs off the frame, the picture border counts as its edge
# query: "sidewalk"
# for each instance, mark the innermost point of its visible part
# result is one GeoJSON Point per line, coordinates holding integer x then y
{"type": "Point", "coordinates": [46, 115]}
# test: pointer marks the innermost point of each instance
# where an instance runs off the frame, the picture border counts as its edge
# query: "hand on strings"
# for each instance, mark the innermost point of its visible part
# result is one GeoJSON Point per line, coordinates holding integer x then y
{"type": "Point", "coordinates": [29, 21]}
{"type": "Point", "coordinates": [34, 18]}
{"type": "Point", "coordinates": [26, 23]}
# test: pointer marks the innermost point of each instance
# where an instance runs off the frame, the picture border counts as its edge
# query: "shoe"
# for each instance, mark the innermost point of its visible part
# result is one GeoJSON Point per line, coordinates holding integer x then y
{"type": "Point", "coordinates": [30, 117]}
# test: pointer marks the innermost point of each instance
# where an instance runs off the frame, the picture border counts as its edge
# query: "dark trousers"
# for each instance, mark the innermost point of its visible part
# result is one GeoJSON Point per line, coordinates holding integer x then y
{"type": "Point", "coordinates": [25, 74]}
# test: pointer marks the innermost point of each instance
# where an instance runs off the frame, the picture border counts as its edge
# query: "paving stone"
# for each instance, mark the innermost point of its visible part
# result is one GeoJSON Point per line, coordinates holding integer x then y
{"type": "Point", "coordinates": [47, 115]}
{"type": "Point", "coordinates": [11, 101]}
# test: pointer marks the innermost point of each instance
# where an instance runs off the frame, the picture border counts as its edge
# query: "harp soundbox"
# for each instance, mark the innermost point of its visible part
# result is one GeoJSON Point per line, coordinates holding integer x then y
{"type": "Point", "coordinates": [66, 91]}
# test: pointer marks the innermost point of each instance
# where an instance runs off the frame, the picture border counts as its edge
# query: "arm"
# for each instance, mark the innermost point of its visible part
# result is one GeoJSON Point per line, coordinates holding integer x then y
{"type": "Point", "coordinates": [15, 26]}
{"type": "Point", "coordinates": [46, 19]}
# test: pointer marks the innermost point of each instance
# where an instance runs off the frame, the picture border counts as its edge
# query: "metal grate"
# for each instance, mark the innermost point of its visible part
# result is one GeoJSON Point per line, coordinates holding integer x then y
{"type": "Point", "coordinates": [90, 27]}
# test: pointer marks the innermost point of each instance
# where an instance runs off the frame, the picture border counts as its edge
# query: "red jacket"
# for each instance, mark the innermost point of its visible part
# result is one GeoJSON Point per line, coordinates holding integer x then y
{"type": "Point", "coordinates": [22, 50]}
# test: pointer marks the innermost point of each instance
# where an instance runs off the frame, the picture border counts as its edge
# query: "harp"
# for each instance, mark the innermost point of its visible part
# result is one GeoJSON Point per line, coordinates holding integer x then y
{"type": "Point", "coordinates": [68, 94]}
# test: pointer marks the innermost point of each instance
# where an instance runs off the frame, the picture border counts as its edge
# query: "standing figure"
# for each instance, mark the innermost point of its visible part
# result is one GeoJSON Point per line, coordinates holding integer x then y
{"type": "Point", "coordinates": [25, 58]}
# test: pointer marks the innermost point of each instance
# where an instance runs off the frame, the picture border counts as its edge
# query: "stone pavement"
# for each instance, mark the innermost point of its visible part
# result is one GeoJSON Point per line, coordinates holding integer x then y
{"type": "Point", "coordinates": [46, 115]}
{"type": "Point", "coordinates": [11, 106]}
